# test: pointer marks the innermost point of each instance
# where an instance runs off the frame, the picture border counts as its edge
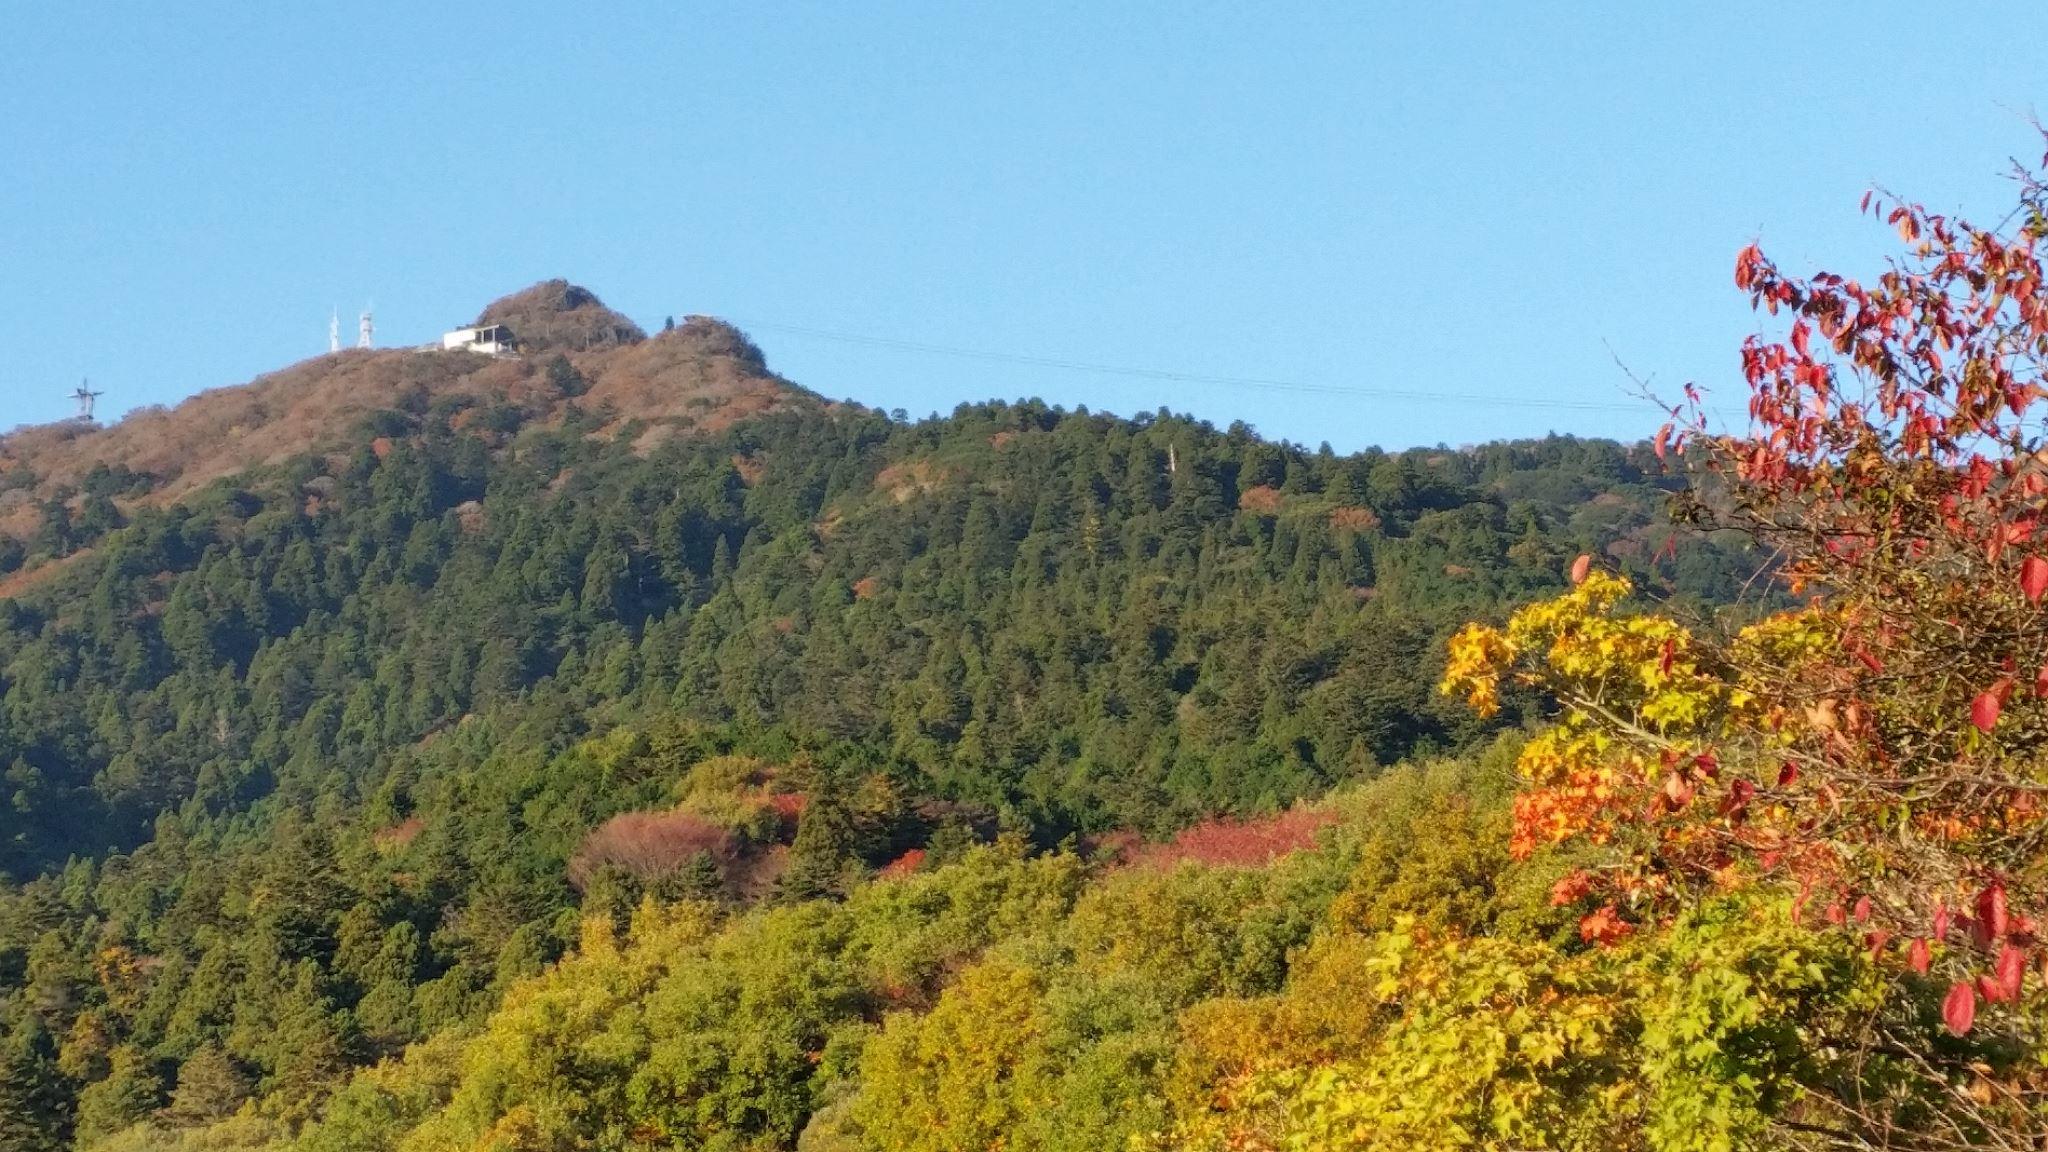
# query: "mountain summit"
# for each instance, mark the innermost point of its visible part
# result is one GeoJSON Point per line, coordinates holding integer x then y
{"type": "Point", "coordinates": [576, 356]}
{"type": "Point", "coordinates": [555, 315]}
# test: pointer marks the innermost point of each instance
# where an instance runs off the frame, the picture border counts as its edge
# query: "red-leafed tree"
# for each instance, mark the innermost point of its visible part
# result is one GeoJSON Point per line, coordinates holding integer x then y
{"type": "Point", "coordinates": [1897, 463]}
{"type": "Point", "coordinates": [1241, 843]}
{"type": "Point", "coordinates": [649, 846]}
{"type": "Point", "coordinates": [1882, 750]}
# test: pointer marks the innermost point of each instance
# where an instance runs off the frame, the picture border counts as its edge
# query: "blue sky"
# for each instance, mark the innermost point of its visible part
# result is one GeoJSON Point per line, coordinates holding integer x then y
{"type": "Point", "coordinates": [1420, 205]}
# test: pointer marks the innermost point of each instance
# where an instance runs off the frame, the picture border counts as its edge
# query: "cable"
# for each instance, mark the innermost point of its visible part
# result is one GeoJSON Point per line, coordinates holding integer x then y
{"type": "Point", "coordinates": [1197, 378]}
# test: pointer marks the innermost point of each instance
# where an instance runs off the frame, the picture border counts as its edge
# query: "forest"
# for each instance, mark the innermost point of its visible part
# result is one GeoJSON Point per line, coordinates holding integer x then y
{"type": "Point", "coordinates": [1038, 779]}
{"type": "Point", "coordinates": [359, 742]}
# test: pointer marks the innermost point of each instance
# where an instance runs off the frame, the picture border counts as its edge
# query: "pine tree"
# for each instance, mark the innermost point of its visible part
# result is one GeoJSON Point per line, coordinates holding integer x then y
{"type": "Point", "coordinates": [819, 854]}
{"type": "Point", "coordinates": [35, 1111]}
{"type": "Point", "coordinates": [210, 1088]}
{"type": "Point", "coordinates": [309, 1046]}
{"type": "Point", "coordinates": [698, 879]}
{"type": "Point", "coordinates": [129, 1093]}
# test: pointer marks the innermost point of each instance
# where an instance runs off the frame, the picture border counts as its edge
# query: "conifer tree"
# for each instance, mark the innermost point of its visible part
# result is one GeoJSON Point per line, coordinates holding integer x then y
{"type": "Point", "coordinates": [35, 1111]}
{"type": "Point", "coordinates": [210, 1087]}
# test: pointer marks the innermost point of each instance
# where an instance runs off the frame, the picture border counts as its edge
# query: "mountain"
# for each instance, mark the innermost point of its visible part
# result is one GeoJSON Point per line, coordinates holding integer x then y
{"type": "Point", "coordinates": [340, 706]}
{"type": "Point", "coordinates": [580, 356]}
{"type": "Point", "coordinates": [556, 315]}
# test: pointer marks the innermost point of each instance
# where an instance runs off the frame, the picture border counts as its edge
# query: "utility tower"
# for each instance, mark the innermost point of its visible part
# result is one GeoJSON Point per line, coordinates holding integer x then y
{"type": "Point", "coordinates": [334, 332]}
{"type": "Point", "coordinates": [364, 329]}
{"type": "Point", "coordinates": [85, 397]}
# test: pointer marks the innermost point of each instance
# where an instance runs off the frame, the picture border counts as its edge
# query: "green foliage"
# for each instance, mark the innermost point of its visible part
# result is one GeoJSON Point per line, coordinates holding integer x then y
{"type": "Point", "coordinates": [129, 1092]}
{"type": "Point", "coordinates": [210, 1088]}
{"type": "Point", "coordinates": [965, 1075]}
{"type": "Point", "coordinates": [1038, 1003]}
{"type": "Point", "coordinates": [297, 767]}
{"type": "Point", "coordinates": [695, 1033]}
{"type": "Point", "coordinates": [35, 1115]}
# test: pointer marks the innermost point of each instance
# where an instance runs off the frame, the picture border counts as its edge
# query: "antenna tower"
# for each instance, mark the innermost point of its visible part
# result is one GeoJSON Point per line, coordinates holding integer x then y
{"type": "Point", "coordinates": [334, 331]}
{"type": "Point", "coordinates": [85, 397]}
{"type": "Point", "coordinates": [364, 330]}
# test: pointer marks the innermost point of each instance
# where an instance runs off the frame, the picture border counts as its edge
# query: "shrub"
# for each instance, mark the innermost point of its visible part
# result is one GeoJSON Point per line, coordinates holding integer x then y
{"type": "Point", "coordinates": [649, 846]}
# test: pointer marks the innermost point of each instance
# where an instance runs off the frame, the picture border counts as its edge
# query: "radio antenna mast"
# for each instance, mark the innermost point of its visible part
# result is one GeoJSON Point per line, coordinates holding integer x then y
{"type": "Point", "coordinates": [85, 397]}
{"type": "Point", "coordinates": [364, 329]}
{"type": "Point", "coordinates": [334, 332]}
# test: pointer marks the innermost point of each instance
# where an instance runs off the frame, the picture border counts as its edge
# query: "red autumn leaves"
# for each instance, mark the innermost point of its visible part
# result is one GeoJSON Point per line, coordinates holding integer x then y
{"type": "Point", "coordinates": [1993, 927]}
{"type": "Point", "coordinates": [2033, 579]}
{"type": "Point", "coordinates": [1985, 708]}
{"type": "Point", "coordinates": [1897, 460]}
{"type": "Point", "coordinates": [1999, 986]}
{"type": "Point", "coordinates": [1604, 926]}
{"type": "Point", "coordinates": [1959, 1008]}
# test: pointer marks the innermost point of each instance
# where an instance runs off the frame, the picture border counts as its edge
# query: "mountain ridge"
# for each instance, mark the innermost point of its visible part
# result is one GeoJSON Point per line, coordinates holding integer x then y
{"type": "Point", "coordinates": [703, 373]}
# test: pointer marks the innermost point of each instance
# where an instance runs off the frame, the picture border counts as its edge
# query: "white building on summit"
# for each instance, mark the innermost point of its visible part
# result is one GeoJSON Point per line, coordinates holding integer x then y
{"type": "Point", "coordinates": [489, 339]}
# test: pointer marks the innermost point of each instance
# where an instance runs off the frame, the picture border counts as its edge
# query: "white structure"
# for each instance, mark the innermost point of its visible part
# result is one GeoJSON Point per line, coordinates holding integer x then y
{"type": "Point", "coordinates": [85, 397]}
{"type": "Point", "coordinates": [334, 332]}
{"type": "Point", "coordinates": [489, 339]}
{"type": "Point", "coordinates": [364, 330]}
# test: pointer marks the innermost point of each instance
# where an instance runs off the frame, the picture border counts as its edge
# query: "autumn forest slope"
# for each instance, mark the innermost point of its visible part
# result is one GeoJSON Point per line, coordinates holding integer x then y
{"type": "Point", "coordinates": [337, 704]}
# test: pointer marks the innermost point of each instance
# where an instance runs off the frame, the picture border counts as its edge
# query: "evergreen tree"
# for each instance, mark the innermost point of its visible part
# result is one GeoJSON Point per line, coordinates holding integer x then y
{"type": "Point", "coordinates": [210, 1087]}
{"type": "Point", "coordinates": [35, 1111]}
{"type": "Point", "coordinates": [127, 1095]}
{"type": "Point", "coordinates": [821, 851]}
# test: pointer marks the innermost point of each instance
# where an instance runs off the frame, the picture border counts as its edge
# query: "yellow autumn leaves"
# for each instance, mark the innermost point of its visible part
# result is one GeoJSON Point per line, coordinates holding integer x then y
{"type": "Point", "coordinates": [1646, 703]}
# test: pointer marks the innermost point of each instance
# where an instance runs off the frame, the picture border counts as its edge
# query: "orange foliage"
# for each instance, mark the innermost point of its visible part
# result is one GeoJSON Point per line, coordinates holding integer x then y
{"type": "Point", "coordinates": [1240, 843]}
{"type": "Point", "coordinates": [400, 834]}
{"type": "Point", "coordinates": [902, 866]}
{"type": "Point", "coordinates": [1263, 499]}
{"type": "Point", "coordinates": [1350, 518]}
{"type": "Point", "coordinates": [910, 478]}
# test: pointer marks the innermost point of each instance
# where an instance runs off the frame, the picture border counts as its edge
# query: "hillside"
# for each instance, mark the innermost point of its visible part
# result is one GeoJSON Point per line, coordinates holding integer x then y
{"type": "Point", "coordinates": [577, 354]}
{"type": "Point", "coordinates": [324, 736]}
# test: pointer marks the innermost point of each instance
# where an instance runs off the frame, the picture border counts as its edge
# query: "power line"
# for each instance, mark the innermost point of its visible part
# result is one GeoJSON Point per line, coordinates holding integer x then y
{"type": "Point", "coordinates": [1199, 378]}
